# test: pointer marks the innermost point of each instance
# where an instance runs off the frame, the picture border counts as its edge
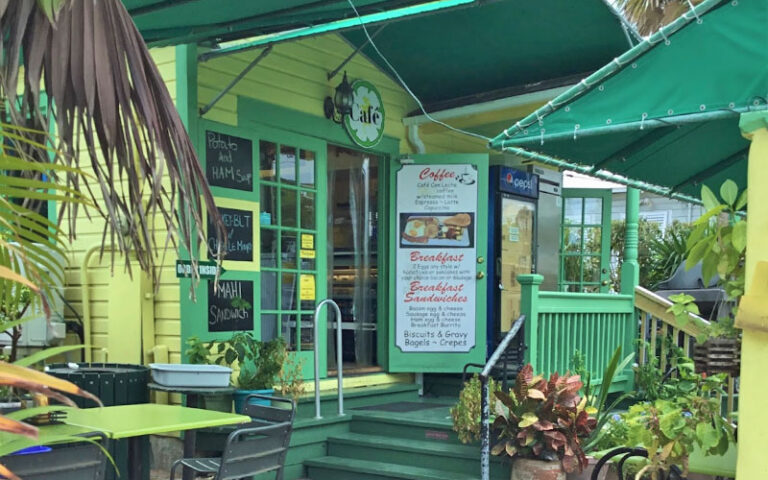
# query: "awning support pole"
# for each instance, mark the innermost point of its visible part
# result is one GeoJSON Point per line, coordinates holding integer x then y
{"type": "Point", "coordinates": [603, 175]}
{"type": "Point", "coordinates": [236, 80]}
{"type": "Point", "coordinates": [353, 54]}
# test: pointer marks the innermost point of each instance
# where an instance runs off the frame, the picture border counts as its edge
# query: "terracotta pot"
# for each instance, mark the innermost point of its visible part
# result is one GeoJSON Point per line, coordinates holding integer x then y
{"type": "Point", "coordinates": [527, 469]}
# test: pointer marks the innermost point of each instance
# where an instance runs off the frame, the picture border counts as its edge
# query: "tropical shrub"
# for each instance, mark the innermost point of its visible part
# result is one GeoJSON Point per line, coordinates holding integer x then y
{"type": "Point", "coordinates": [466, 414]}
{"type": "Point", "coordinates": [544, 420]}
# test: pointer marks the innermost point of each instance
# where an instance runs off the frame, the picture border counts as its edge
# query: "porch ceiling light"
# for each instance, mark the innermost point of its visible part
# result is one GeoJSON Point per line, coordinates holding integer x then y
{"type": "Point", "coordinates": [341, 104]}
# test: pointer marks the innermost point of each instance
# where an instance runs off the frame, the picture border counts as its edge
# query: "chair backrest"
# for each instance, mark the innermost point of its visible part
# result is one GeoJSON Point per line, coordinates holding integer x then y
{"type": "Point", "coordinates": [80, 461]}
{"type": "Point", "coordinates": [626, 453]}
{"type": "Point", "coordinates": [261, 446]}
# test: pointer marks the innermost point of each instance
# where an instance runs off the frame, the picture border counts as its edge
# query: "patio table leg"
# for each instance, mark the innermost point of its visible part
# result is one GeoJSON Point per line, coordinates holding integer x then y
{"type": "Point", "coordinates": [135, 458]}
{"type": "Point", "coordinates": [190, 437]}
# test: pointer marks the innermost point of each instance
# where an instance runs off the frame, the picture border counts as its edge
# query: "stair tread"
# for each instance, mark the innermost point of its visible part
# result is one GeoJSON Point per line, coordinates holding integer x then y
{"type": "Point", "coordinates": [387, 417]}
{"type": "Point", "coordinates": [405, 444]}
{"type": "Point", "coordinates": [389, 469]}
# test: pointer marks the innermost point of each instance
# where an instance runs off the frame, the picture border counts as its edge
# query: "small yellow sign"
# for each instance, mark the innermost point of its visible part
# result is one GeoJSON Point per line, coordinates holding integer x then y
{"type": "Point", "coordinates": [307, 254]}
{"type": "Point", "coordinates": [308, 241]}
{"type": "Point", "coordinates": [307, 287]}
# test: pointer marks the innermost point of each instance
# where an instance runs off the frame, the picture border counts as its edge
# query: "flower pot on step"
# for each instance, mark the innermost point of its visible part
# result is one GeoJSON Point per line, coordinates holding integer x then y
{"type": "Point", "coordinates": [239, 397]}
{"type": "Point", "coordinates": [527, 469]}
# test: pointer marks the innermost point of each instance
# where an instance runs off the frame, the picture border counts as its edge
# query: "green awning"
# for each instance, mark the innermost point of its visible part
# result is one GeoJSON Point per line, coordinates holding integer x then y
{"type": "Point", "coordinates": [666, 112]}
{"type": "Point", "coordinates": [170, 22]}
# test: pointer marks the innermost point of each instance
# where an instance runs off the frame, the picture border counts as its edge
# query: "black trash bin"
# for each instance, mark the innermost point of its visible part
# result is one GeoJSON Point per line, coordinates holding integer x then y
{"type": "Point", "coordinates": [113, 384]}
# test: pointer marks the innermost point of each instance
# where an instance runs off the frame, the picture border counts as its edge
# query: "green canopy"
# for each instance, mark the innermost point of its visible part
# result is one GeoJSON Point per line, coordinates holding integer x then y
{"type": "Point", "coordinates": [666, 112]}
{"type": "Point", "coordinates": [169, 22]}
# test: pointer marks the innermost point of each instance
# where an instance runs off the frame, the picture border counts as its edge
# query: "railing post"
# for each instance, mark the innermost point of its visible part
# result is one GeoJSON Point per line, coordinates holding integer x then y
{"type": "Point", "coordinates": [630, 268]}
{"type": "Point", "coordinates": [529, 306]}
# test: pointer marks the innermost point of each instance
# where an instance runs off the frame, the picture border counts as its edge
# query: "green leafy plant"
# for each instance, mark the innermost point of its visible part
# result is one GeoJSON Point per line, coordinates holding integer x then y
{"type": "Point", "coordinates": [258, 363]}
{"type": "Point", "coordinates": [544, 420]}
{"type": "Point", "coordinates": [198, 352]}
{"type": "Point", "coordinates": [466, 414]}
{"type": "Point", "coordinates": [597, 403]}
{"type": "Point", "coordinates": [290, 379]}
{"type": "Point", "coordinates": [719, 242]}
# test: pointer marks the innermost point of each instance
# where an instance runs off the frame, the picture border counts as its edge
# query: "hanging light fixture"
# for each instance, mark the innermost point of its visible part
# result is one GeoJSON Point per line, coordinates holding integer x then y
{"type": "Point", "coordinates": [341, 104]}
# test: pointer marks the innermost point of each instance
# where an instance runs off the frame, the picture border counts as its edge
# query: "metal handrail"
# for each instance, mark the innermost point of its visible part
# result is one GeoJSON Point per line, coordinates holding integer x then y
{"type": "Point", "coordinates": [338, 357]}
{"type": "Point", "coordinates": [485, 400]}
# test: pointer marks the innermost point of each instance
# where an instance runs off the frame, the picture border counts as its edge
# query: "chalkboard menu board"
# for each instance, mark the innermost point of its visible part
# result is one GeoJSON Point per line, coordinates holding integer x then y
{"type": "Point", "coordinates": [230, 308]}
{"type": "Point", "coordinates": [228, 161]}
{"type": "Point", "coordinates": [239, 243]}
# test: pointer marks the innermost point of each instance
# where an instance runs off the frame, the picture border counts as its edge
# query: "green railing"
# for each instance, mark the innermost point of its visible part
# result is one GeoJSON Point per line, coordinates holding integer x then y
{"type": "Point", "coordinates": [560, 323]}
{"type": "Point", "coordinates": [658, 330]}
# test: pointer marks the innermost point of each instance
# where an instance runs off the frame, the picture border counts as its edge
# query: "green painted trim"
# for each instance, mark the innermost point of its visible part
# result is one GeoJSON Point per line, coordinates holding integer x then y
{"type": "Point", "coordinates": [529, 306]}
{"type": "Point", "coordinates": [749, 122]}
{"type": "Point", "coordinates": [253, 112]}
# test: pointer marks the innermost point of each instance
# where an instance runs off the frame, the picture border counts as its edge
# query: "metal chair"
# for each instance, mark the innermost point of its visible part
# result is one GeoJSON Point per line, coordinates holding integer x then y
{"type": "Point", "coordinates": [673, 474]}
{"type": "Point", "coordinates": [80, 461]}
{"type": "Point", "coordinates": [259, 447]}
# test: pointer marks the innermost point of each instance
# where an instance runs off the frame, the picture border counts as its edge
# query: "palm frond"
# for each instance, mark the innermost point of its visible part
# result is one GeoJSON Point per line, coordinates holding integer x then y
{"type": "Point", "coordinates": [113, 114]}
{"type": "Point", "coordinates": [650, 15]}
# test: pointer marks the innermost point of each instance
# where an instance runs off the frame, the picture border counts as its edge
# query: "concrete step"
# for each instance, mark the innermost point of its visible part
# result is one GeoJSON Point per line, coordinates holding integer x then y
{"type": "Point", "coordinates": [340, 468]}
{"type": "Point", "coordinates": [436, 455]}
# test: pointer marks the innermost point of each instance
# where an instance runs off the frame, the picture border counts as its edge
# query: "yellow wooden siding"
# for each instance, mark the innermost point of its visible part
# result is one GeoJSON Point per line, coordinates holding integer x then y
{"type": "Point", "coordinates": [294, 76]}
{"type": "Point", "coordinates": [103, 286]}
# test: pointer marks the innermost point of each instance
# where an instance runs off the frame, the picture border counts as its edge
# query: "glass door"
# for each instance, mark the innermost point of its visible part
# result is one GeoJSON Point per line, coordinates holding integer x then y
{"type": "Point", "coordinates": [585, 244]}
{"type": "Point", "coordinates": [516, 246]}
{"type": "Point", "coordinates": [353, 192]}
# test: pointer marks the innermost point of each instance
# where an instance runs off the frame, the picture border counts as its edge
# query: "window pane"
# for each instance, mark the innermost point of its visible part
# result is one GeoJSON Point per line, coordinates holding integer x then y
{"type": "Point", "coordinates": [269, 291]}
{"type": "Point", "coordinates": [573, 211]}
{"type": "Point", "coordinates": [592, 269]}
{"type": "Point", "coordinates": [268, 206]}
{"type": "Point", "coordinates": [288, 250]}
{"type": "Point", "coordinates": [307, 168]}
{"type": "Point", "coordinates": [572, 269]}
{"type": "Point", "coordinates": [287, 164]}
{"type": "Point", "coordinates": [267, 164]}
{"type": "Point", "coordinates": [288, 207]}
{"type": "Point", "coordinates": [268, 248]}
{"type": "Point", "coordinates": [593, 211]}
{"type": "Point", "coordinates": [592, 240]}
{"type": "Point", "coordinates": [268, 326]}
{"type": "Point", "coordinates": [289, 288]}
{"type": "Point", "coordinates": [572, 239]}
{"type": "Point", "coordinates": [307, 333]}
{"type": "Point", "coordinates": [288, 326]}
{"type": "Point", "coordinates": [307, 210]}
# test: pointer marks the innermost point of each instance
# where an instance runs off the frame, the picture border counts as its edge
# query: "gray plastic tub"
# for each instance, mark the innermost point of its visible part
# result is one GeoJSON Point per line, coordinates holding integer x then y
{"type": "Point", "coordinates": [185, 375]}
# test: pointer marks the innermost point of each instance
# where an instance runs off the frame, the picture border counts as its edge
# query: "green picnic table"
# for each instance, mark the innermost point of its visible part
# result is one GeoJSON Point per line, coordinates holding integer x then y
{"type": "Point", "coordinates": [135, 421]}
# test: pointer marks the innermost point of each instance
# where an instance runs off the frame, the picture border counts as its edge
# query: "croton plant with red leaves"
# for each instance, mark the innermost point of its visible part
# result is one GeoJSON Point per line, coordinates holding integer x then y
{"type": "Point", "coordinates": [543, 420]}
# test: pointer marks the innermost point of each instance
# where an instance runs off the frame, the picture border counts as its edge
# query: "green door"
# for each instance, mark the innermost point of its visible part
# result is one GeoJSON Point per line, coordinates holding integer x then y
{"type": "Point", "coordinates": [438, 243]}
{"type": "Point", "coordinates": [286, 212]}
{"type": "Point", "coordinates": [585, 243]}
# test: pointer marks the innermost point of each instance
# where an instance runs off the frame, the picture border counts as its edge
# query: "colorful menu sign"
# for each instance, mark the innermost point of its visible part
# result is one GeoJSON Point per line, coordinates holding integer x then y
{"type": "Point", "coordinates": [435, 270]}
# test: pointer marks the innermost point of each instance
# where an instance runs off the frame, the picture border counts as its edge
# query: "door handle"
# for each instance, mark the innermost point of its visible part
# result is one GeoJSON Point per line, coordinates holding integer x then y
{"type": "Point", "coordinates": [480, 275]}
{"type": "Point", "coordinates": [604, 283]}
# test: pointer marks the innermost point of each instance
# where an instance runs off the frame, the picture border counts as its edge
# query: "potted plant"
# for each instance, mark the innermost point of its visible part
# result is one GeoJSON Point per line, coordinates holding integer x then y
{"type": "Point", "coordinates": [718, 242]}
{"type": "Point", "coordinates": [257, 363]}
{"type": "Point", "coordinates": [290, 379]}
{"type": "Point", "coordinates": [466, 414]}
{"type": "Point", "coordinates": [599, 405]}
{"type": "Point", "coordinates": [199, 353]}
{"type": "Point", "coordinates": [541, 425]}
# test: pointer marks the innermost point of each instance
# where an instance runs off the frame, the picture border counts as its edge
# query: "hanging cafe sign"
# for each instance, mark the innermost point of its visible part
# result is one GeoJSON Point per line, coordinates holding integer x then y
{"type": "Point", "coordinates": [365, 122]}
